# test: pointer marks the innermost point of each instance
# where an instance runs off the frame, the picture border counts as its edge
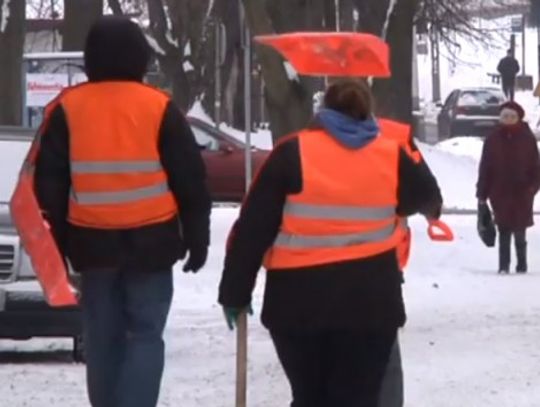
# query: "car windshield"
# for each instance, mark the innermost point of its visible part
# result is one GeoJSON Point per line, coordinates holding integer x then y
{"type": "Point", "coordinates": [12, 154]}
{"type": "Point", "coordinates": [480, 97]}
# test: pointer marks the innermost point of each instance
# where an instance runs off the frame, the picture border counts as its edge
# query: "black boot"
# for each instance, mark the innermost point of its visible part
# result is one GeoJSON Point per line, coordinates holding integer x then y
{"type": "Point", "coordinates": [504, 251]}
{"type": "Point", "coordinates": [521, 252]}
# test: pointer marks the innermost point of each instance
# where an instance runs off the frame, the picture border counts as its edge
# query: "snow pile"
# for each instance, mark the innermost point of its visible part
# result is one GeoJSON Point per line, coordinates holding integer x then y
{"type": "Point", "coordinates": [430, 112]}
{"type": "Point", "coordinates": [261, 138]}
{"type": "Point", "coordinates": [197, 111]}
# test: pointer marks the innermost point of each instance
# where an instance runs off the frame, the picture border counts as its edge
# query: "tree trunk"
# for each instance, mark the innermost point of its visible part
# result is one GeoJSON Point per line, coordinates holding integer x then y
{"type": "Point", "coordinates": [289, 102]}
{"type": "Point", "coordinates": [346, 15]}
{"type": "Point", "coordinates": [394, 95]}
{"type": "Point", "coordinates": [372, 15]}
{"type": "Point", "coordinates": [11, 52]}
{"type": "Point", "coordinates": [330, 15]}
{"type": "Point", "coordinates": [79, 15]}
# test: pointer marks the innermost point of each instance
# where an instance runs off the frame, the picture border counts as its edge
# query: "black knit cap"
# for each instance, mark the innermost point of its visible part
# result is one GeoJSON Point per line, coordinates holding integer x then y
{"type": "Point", "coordinates": [116, 49]}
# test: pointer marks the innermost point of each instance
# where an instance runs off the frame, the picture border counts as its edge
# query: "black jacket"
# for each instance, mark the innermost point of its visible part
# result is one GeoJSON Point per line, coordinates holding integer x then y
{"type": "Point", "coordinates": [360, 294]}
{"type": "Point", "coordinates": [508, 68]}
{"type": "Point", "coordinates": [155, 247]}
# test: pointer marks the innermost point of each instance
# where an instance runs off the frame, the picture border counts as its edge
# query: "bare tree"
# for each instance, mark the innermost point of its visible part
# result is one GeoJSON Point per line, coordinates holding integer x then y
{"type": "Point", "coordinates": [181, 32]}
{"type": "Point", "coordinates": [79, 15]}
{"type": "Point", "coordinates": [12, 18]}
{"type": "Point", "coordinates": [394, 95]}
{"type": "Point", "coordinates": [289, 101]}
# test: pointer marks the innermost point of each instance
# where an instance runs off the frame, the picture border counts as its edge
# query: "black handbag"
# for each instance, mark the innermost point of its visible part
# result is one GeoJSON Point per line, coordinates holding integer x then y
{"type": "Point", "coordinates": [486, 226]}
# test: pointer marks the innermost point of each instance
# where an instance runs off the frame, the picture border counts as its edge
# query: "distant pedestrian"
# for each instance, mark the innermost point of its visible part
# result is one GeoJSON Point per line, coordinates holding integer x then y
{"type": "Point", "coordinates": [508, 68]}
{"type": "Point", "coordinates": [121, 181]}
{"type": "Point", "coordinates": [509, 177]}
{"type": "Point", "coordinates": [325, 210]}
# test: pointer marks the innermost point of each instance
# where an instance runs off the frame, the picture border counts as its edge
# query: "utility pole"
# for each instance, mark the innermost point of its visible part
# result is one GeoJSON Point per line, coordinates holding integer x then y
{"type": "Point", "coordinates": [247, 99]}
{"type": "Point", "coordinates": [338, 15]}
{"type": "Point", "coordinates": [415, 89]}
{"type": "Point", "coordinates": [523, 44]}
{"type": "Point", "coordinates": [220, 36]}
{"type": "Point", "coordinates": [435, 64]}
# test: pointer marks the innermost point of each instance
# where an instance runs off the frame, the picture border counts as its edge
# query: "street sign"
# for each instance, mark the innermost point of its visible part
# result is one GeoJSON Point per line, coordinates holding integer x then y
{"type": "Point", "coordinates": [517, 24]}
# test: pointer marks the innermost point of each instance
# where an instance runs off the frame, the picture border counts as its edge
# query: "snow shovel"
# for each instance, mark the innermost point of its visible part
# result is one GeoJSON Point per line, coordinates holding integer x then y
{"type": "Point", "coordinates": [439, 231]}
{"type": "Point", "coordinates": [241, 360]}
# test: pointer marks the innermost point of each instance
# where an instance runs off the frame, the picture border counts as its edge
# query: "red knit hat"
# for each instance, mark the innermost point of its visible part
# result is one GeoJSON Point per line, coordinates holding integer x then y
{"type": "Point", "coordinates": [515, 107]}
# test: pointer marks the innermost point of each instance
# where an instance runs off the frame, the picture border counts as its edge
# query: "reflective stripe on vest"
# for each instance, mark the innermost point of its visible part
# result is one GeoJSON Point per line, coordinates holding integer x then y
{"type": "Point", "coordinates": [119, 197]}
{"type": "Point", "coordinates": [312, 242]}
{"type": "Point", "coordinates": [335, 212]}
{"type": "Point", "coordinates": [114, 167]}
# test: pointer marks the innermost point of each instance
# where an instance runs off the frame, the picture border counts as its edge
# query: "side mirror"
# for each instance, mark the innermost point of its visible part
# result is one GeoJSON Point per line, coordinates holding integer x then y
{"type": "Point", "coordinates": [439, 105]}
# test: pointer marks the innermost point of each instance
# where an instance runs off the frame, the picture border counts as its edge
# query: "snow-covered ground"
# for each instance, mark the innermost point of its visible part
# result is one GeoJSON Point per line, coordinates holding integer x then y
{"type": "Point", "coordinates": [471, 339]}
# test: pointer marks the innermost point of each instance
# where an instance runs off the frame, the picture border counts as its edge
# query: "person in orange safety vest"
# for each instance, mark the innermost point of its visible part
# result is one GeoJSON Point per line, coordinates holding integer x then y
{"type": "Point", "coordinates": [323, 218]}
{"type": "Point", "coordinates": [121, 181]}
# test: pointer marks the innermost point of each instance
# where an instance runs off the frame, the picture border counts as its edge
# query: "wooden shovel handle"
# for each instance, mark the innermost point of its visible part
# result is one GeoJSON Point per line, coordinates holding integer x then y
{"type": "Point", "coordinates": [241, 361]}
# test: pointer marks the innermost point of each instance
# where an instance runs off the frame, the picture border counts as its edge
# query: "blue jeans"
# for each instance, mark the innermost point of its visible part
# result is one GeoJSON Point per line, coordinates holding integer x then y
{"type": "Point", "coordinates": [124, 315]}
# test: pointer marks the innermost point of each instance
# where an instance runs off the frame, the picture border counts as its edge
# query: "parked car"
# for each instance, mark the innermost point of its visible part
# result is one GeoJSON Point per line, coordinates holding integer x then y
{"type": "Point", "coordinates": [470, 112]}
{"type": "Point", "coordinates": [224, 157]}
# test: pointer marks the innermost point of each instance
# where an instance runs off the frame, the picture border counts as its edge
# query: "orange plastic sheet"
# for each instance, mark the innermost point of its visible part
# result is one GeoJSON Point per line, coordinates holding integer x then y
{"type": "Point", "coordinates": [332, 53]}
{"type": "Point", "coordinates": [35, 233]}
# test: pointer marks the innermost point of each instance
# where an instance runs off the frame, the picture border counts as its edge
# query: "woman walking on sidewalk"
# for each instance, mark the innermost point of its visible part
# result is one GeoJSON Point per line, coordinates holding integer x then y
{"type": "Point", "coordinates": [322, 217]}
{"type": "Point", "coordinates": [509, 177]}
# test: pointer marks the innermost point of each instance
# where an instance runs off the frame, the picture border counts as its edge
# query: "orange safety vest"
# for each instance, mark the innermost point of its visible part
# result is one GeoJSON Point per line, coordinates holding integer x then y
{"type": "Point", "coordinates": [116, 174]}
{"type": "Point", "coordinates": [347, 207]}
{"type": "Point", "coordinates": [401, 133]}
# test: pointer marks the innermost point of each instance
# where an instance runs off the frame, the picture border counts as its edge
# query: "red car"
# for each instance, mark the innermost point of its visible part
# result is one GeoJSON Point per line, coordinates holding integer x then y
{"type": "Point", "coordinates": [224, 157]}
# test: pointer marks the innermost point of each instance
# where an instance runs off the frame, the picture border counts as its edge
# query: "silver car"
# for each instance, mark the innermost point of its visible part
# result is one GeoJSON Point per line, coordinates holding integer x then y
{"type": "Point", "coordinates": [24, 313]}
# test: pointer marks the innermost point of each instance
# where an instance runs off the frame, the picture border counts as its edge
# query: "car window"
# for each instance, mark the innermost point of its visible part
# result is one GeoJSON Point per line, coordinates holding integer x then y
{"type": "Point", "coordinates": [480, 97]}
{"type": "Point", "coordinates": [205, 139]}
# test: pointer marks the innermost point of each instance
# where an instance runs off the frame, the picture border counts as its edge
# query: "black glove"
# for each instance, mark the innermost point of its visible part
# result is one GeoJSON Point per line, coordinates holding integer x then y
{"type": "Point", "coordinates": [196, 260]}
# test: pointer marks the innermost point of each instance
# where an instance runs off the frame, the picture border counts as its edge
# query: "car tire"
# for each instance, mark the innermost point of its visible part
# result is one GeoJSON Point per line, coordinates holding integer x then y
{"type": "Point", "coordinates": [79, 354]}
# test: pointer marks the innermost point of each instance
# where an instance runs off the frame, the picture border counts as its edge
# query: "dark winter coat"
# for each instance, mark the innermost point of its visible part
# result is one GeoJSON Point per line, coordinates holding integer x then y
{"type": "Point", "coordinates": [509, 175]}
{"type": "Point", "coordinates": [353, 295]}
{"type": "Point", "coordinates": [117, 50]}
{"type": "Point", "coordinates": [508, 68]}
